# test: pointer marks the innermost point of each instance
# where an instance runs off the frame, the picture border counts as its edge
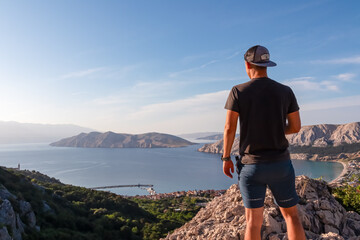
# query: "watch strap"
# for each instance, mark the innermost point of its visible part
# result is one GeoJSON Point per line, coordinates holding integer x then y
{"type": "Point", "coordinates": [225, 158]}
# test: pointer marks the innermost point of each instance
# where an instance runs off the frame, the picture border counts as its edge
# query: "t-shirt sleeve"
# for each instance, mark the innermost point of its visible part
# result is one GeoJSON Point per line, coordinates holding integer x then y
{"type": "Point", "coordinates": [232, 102]}
{"type": "Point", "coordinates": [293, 105]}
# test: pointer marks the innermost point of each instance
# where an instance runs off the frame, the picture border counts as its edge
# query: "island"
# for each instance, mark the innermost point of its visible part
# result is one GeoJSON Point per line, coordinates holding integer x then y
{"type": "Point", "coordinates": [122, 140]}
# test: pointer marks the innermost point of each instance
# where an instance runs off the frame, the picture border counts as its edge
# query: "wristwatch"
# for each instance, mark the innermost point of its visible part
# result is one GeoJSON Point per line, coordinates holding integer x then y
{"type": "Point", "coordinates": [225, 158]}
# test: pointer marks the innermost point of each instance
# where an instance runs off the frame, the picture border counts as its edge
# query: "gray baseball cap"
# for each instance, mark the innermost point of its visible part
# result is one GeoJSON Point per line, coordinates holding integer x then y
{"type": "Point", "coordinates": [259, 56]}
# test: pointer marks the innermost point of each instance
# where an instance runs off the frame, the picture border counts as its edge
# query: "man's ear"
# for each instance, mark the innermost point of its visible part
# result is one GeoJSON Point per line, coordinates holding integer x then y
{"type": "Point", "coordinates": [248, 65]}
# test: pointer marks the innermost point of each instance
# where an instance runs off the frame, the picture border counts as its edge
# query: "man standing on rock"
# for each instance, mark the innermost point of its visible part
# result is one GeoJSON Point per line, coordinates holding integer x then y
{"type": "Point", "coordinates": [263, 106]}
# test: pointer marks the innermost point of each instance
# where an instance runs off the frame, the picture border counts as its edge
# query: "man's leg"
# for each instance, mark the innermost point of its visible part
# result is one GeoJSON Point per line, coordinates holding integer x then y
{"type": "Point", "coordinates": [254, 220]}
{"type": "Point", "coordinates": [294, 227]}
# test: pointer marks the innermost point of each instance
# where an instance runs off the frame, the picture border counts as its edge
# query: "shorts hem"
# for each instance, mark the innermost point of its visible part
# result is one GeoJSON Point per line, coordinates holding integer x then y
{"type": "Point", "coordinates": [288, 204]}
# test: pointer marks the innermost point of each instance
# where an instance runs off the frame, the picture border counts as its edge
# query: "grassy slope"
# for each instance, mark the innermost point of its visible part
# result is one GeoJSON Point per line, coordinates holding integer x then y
{"type": "Point", "coordinates": [81, 213]}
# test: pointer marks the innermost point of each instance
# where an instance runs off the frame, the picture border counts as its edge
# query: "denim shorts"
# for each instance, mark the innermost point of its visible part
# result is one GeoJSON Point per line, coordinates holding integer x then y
{"type": "Point", "coordinates": [279, 176]}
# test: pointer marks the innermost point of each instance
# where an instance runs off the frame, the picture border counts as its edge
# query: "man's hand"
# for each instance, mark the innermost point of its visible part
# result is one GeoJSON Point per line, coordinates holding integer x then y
{"type": "Point", "coordinates": [229, 135]}
{"type": "Point", "coordinates": [228, 166]}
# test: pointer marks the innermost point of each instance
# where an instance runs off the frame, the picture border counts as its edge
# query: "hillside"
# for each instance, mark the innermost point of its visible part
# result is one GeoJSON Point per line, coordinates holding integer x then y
{"type": "Point", "coordinates": [322, 216]}
{"type": "Point", "coordinates": [319, 138]}
{"type": "Point", "coordinates": [120, 140]}
{"type": "Point", "coordinates": [34, 206]}
{"type": "Point", "coordinates": [15, 132]}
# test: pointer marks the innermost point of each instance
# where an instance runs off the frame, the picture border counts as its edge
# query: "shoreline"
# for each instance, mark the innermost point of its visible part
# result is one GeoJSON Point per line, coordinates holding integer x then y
{"type": "Point", "coordinates": [344, 171]}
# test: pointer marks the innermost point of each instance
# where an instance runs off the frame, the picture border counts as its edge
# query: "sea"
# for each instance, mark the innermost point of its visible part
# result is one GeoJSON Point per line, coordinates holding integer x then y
{"type": "Point", "coordinates": [167, 169]}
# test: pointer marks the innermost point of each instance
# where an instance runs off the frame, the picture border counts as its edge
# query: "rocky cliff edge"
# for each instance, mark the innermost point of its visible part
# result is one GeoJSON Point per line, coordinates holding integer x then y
{"type": "Point", "coordinates": [14, 219]}
{"type": "Point", "coordinates": [321, 215]}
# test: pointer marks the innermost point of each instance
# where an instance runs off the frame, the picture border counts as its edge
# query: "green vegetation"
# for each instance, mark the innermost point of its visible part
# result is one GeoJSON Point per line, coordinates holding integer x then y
{"type": "Point", "coordinates": [349, 197]}
{"type": "Point", "coordinates": [171, 213]}
{"type": "Point", "coordinates": [70, 212]}
{"type": "Point", "coordinates": [324, 151]}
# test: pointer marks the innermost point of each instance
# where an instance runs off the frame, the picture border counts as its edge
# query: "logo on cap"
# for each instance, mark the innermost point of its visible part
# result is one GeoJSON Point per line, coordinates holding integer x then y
{"type": "Point", "coordinates": [265, 57]}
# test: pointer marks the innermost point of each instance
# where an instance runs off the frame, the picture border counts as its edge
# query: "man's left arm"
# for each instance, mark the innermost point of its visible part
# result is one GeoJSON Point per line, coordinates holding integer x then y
{"type": "Point", "coordinates": [229, 136]}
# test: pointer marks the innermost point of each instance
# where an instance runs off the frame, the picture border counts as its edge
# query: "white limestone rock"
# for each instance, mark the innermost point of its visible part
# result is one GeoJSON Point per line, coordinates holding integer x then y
{"type": "Point", "coordinates": [321, 215]}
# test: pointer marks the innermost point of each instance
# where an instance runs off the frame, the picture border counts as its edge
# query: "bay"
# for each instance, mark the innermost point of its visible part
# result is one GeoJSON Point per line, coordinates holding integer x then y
{"type": "Point", "coordinates": [168, 169]}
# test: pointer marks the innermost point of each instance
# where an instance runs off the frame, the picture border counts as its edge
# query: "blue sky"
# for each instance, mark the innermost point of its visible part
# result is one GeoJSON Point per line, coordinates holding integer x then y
{"type": "Point", "coordinates": [167, 66]}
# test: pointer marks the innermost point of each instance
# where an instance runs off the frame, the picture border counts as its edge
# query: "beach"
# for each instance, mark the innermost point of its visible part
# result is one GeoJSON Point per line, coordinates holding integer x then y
{"type": "Point", "coordinates": [343, 173]}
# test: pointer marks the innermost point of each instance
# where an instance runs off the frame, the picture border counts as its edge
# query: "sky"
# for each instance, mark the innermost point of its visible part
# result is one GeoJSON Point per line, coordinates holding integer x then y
{"type": "Point", "coordinates": [167, 66]}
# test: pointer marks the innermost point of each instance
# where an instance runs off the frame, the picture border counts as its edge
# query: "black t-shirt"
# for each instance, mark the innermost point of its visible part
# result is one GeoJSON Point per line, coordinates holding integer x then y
{"type": "Point", "coordinates": [262, 104]}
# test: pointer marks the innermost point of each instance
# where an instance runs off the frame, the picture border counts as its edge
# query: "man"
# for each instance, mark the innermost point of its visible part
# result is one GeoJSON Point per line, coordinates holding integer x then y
{"type": "Point", "coordinates": [263, 106]}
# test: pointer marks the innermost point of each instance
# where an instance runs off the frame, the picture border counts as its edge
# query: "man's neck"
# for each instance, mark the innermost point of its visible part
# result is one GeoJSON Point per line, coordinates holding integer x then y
{"type": "Point", "coordinates": [259, 75]}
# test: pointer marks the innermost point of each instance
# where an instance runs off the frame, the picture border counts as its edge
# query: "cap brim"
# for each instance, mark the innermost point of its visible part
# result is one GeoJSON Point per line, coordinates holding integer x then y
{"type": "Point", "coordinates": [265, 64]}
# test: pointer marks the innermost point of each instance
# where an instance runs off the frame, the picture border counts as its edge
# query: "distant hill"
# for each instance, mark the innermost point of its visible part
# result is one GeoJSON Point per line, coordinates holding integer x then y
{"type": "Point", "coordinates": [214, 137]}
{"type": "Point", "coordinates": [15, 132]}
{"type": "Point", "coordinates": [121, 140]}
{"type": "Point", "coordinates": [198, 135]}
{"type": "Point", "coordinates": [319, 136]}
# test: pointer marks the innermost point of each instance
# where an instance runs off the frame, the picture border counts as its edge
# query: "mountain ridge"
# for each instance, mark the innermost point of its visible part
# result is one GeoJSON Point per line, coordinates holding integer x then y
{"type": "Point", "coordinates": [321, 135]}
{"type": "Point", "coordinates": [16, 133]}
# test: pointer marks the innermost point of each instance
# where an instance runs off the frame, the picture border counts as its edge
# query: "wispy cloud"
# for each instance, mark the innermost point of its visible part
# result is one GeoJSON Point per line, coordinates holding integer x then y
{"type": "Point", "coordinates": [82, 73]}
{"type": "Point", "coordinates": [233, 55]}
{"type": "Point", "coordinates": [117, 72]}
{"type": "Point", "coordinates": [348, 60]}
{"type": "Point", "coordinates": [111, 100]}
{"type": "Point", "coordinates": [309, 84]}
{"type": "Point", "coordinates": [189, 70]}
{"type": "Point", "coordinates": [141, 92]}
{"type": "Point", "coordinates": [121, 72]}
{"type": "Point", "coordinates": [197, 104]}
{"type": "Point", "coordinates": [201, 112]}
{"type": "Point", "coordinates": [346, 77]}
{"type": "Point", "coordinates": [332, 103]}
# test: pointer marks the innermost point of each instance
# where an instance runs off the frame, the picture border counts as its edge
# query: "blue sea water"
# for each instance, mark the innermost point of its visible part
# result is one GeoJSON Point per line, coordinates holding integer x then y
{"type": "Point", "coordinates": [168, 169]}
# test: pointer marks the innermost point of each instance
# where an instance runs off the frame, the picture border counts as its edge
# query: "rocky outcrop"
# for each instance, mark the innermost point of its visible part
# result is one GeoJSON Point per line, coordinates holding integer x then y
{"type": "Point", "coordinates": [4, 234]}
{"type": "Point", "coordinates": [117, 140]}
{"type": "Point", "coordinates": [321, 215]}
{"type": "Point", "coordinates": [13, 225]}
{"type": "Point", "coordinates": [322, 135]}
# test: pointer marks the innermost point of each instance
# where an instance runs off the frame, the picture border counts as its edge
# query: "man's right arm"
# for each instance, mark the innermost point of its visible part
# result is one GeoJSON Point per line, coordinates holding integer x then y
{"type": "Point", "coordinates": [294, 123]}
{"type": "Point", "coordinates": [229, 135]}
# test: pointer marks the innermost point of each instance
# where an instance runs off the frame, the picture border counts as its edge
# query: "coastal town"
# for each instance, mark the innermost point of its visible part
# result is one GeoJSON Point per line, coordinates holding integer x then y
{"type": "Point", "coordinates": [191, 193]}
{"type": "Point", "coordinates": [350, 175]}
